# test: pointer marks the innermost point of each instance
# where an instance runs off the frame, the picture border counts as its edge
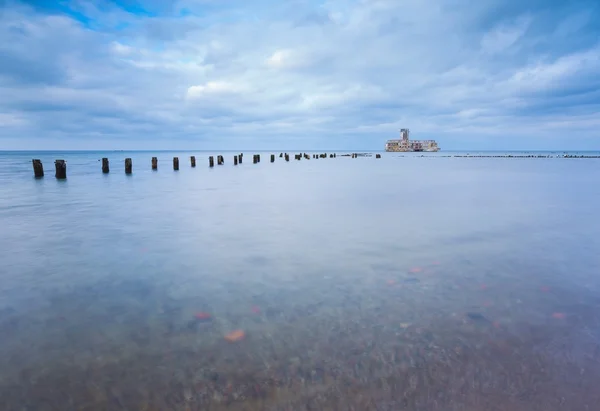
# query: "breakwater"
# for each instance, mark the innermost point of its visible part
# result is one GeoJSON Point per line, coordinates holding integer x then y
{"type": "Point", "coordinates": [61, 164]}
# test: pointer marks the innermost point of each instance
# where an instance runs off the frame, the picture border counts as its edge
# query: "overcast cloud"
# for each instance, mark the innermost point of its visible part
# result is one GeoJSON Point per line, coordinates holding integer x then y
{"type": "Point", "coordinates": [339, 74]}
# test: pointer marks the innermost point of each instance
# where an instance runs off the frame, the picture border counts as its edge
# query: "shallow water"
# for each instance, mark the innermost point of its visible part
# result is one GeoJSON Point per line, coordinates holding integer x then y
{"type": "Point", "coordinates": [406, 282]}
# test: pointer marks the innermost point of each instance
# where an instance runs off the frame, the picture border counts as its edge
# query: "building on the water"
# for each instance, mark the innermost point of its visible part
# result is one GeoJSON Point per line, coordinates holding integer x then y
{"type": "Point", "coordinates": [405, 144]}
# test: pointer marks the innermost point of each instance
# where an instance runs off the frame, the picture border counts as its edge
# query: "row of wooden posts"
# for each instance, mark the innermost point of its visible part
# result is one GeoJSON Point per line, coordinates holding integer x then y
{"type": "Point", "coordinates": [61, 165]}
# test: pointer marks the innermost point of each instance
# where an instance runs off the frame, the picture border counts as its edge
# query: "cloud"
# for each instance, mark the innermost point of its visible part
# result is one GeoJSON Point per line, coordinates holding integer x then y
{"type": "Point", "coordinates": [505, 35]}
{"type": "Point", "coordinates": [333, 74]}
{"type": "Point", "coordinates": [214, 88]}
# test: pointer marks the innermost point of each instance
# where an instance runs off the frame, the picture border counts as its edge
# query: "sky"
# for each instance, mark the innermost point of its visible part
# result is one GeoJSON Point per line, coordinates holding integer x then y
{"type": "Point", "coordinates": [299, 74]}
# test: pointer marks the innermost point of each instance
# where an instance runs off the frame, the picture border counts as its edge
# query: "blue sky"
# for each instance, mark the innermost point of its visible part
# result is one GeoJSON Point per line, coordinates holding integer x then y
{"type": "Point", "coordinates": [301, 74]}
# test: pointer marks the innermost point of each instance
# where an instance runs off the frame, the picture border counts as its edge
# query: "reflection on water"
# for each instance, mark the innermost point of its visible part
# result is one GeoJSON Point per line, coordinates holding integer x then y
{"type": "Point", "coordinates": [330, 284]}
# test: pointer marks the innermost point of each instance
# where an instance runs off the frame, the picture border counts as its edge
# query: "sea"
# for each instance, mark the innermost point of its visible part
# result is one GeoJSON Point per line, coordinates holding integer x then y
{"type": "Point", "coordinates": [414, 281]}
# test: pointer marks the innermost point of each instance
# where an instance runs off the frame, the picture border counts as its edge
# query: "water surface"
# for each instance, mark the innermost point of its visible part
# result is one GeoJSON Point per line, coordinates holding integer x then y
{"type": "Point", "coordinates": [407, 282]}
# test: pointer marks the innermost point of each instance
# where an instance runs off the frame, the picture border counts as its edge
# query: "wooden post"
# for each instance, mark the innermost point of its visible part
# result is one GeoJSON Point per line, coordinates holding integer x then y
{"type": "Point", "coordinates": [258, 156]}
{"type": "Point", "coordinates": [377, 155]}
{"type": "Point", "coordinates": [154, 163]}
{"type": "Point", "coordinates": [211, 161]}
{"type": "Point", "coordinates": [128, 165]}
{"type": "Point", "coordinates": [105, 167]}
{"type": "Point", "coordinates": [38, 168]}
{"type": "Point", "coordinates": [235, 160]}
{"type": "Point", "coordinates": [61, 169]}
{"type": "Point", "coordinates": [193, 161]}
{"type": "Point", "coordinates": [220, 160]}
{"type": "Point", "coordinates": [175, 163]}
{"type": "Point", "coordinates": [254, 159]}
{"type": "Point", "coordinates": [280, 155]}
{"type": "Point", "coordinates": [272, 158]}
{"type": "Point", "coordinates": [240, 158]}
{"type": "Point", "coordinates": [287, 157]}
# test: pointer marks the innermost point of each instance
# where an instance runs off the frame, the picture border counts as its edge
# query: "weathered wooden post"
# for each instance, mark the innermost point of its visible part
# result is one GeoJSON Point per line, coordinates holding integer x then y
{"type": "Point", "coordinates": [211, 161]}
{"type": "Point", "coordinates": [272, 158]}
{"type": "Point", "coordinates": [258, 156]}
{"type": "Point", "coordinates": [220, 160]}
{"type": "Point", "coordinates": [193, 161]}
{"type": "Point", "coordinates": [175, 163]}
{"type": "Point", "coordinates": [235, 160]}
{"type": "Point", "coordinates": [254, 159]}
{"type": "Point", "coordinates": [280, 155]}
{"type": "Point", "coordinates": [377, 155]}
{"type": "Point", "coordinates": [128, 165]}
{"type": "Point", "coordinates": [334, 155]}
{"type": "Point", "coordinates": [240, 158]}
{"type": "Point", "coordinates": [105, 167]}
{"type": "Point", "coordinates": [61, 169]}
{"type": "Point", "coordinates": [330, 155]}
{"type": "Point", "coordinates": [154, 163]}
{"type": "Point", "coordinates": [38, 168]}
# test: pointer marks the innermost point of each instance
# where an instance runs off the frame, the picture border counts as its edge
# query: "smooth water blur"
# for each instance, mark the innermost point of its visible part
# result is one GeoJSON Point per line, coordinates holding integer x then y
{"type": "Point", "coordinates": [405, 282]}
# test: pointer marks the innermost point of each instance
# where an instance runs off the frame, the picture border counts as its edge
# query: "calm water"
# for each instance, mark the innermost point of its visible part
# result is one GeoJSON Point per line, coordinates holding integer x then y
{"type": "Point", "coordinates": [359, 284]}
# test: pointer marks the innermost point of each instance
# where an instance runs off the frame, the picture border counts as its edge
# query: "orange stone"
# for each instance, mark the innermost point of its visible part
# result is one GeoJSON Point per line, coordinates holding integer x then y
{"type": "Point", "coordinates": [236, 335]}
{"type": "Point", "coordinates": [202, 316]}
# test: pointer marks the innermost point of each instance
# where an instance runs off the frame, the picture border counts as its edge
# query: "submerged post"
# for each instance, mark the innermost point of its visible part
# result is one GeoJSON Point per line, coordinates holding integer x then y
{"type": "Point", "coordinates": [240, 158]}
{"type": "Point", "coordinates": [377, 155]}
{"type": "Point", "coordinates": [235, 160]}
{"type": "Point", "coordinates": [105, 167]}
{"type": "Point", "coordinates": [220, 160]}
{"type": "Point", "coordinates": [154, 163]}
{"type": "Point", "coordinates": [38, 168]}
{"type": "Point", "coordinates": [211, 161]}
{"type": "Point", "coordinates": [128, 165]}
{"type": "Point", "coordinates": [287, 157]}
{"type": "Point", "coordinates": [61, 169]}
{"type": "Point", "coordinates": [175, 163]}
{"type": "Point", "coordinates": [272, 158]}
{"type": "Point", "coordinates": [193, 161]}
{"type": "Point", "coordinates": [280, 155]}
